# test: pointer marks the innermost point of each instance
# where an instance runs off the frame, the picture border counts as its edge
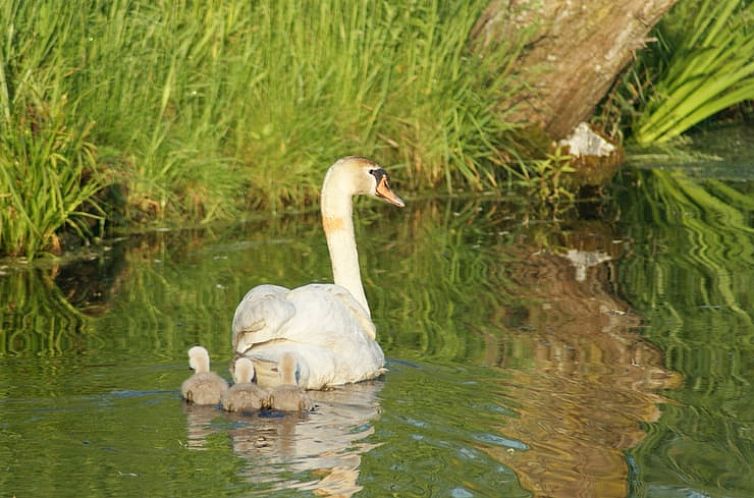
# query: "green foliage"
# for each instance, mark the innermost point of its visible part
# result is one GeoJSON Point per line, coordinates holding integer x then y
{"type": "Point", "coordinates": [49, 170]}
{"type": "Point", "coordinates": [546, 179]}
{"type": "Point", "coordinates": [202, 110]}
{"type": "Point", "coordinates": [703, 64]}
{"type": "Point", "coordinates": [48, 183]}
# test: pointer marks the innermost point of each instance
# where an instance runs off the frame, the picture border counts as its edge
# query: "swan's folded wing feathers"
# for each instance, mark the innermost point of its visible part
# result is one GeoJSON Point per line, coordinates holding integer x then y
{"type": "Point", "coordinates": [330, 307]}
{"type": "Point", "coordinates": [261, 313]}
{"type": "Point", "coordinates": [355, 308]}
{"type": "Point", "coordinates": [328, 331]}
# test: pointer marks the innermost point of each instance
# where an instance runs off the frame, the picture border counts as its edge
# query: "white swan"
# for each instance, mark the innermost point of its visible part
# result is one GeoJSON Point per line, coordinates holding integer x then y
{"type": "Point", "coordinates": [289, 397]}
{"type": "Point", "coordinates": [326, 327]}
{"type": "Point", "coordinates": [204, 387]}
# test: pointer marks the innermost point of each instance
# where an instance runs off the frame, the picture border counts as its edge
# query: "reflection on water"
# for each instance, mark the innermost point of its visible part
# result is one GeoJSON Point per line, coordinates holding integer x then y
{"type": "Point", "coordinates": [325, 445]}
{"type": "Point", "coordinates": [691, 278]}
{"type": "Point", "coordinates": [573, 358]}
{"type": "Point", "coordinates": [591, 380]}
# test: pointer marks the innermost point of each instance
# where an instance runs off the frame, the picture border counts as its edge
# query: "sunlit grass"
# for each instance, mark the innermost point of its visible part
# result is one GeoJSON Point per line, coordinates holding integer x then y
{"type": "Point", "coordinates": [703, 64]}
{"type": "Point", "coordinates": [200, 112]}
{"type": "Point", "coordinates": [49, 172]}
{"type": "Point", "coordinates": [47, 183]}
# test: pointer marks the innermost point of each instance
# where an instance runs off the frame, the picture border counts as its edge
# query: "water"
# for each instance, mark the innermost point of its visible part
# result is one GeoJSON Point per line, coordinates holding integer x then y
{"type": "Point", "coordinates": [608, 354]}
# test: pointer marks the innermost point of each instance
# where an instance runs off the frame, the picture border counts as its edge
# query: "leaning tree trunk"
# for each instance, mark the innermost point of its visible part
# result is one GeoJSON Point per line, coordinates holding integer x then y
{"type": "Point", "coordinates": [576, 51]}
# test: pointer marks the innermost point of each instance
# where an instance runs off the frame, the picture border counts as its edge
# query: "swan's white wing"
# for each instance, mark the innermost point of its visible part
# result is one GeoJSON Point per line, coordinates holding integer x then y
{"type": "Point", "coordinates": [323, 325]}
{"type": "Point", "coordinates": [329, 316]}
{"type": "Point", "coordinates": [316, 367]}
{"type": "Point", "coordinates": [356, 309]}
{"type": "Point", "coordinates": [260, 315]}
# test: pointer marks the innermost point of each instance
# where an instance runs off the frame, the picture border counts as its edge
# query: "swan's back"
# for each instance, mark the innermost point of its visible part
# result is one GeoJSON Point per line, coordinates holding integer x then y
{"type": "Point", "coordinates": [328, 331]}
{"type": "Point", "coordinates": [204, 388]}
{"type": "Point", "coordinates": [245, 398]}
{"type": "Point", "coordinates": [290, 399]}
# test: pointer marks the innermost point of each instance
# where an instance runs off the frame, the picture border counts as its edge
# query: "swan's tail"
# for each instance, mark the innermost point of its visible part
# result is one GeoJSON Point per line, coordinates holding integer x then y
{"type": "Point", "coordinates": [267, 366]}
{"type": "Point", "coordinates": [316, 367]}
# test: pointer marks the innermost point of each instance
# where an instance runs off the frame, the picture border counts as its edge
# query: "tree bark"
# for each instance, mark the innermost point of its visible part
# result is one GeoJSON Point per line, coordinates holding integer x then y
{"type": "Point", "coordinates": [576, 49]}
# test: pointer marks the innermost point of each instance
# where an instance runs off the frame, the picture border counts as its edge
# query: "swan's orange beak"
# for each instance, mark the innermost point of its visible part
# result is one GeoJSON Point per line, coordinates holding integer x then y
{"type": "Point", "coordinates": [384, 192]}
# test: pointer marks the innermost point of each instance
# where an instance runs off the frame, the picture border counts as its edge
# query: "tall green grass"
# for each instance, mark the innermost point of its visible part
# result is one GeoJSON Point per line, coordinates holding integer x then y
{"type": "Point", "coordinates": [49, 171]}
{"type": "Point", "coordinates": [703, 64]}
{"type": "Point", "coordinates": [202, 111]}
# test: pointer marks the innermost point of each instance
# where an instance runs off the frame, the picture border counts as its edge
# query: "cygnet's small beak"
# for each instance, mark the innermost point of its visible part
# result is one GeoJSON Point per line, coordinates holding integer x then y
{"type": "Point", "coordinates": [384, 192]}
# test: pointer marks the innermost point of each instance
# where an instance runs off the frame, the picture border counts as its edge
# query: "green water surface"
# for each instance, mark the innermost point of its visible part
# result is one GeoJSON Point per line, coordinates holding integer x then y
{"type": "Point", "coordinates": [609, 353]}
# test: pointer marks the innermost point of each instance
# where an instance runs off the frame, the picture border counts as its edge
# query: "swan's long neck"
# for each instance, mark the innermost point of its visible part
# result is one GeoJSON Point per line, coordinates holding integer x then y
{"type": "Point", "coordinates": [337, 219]}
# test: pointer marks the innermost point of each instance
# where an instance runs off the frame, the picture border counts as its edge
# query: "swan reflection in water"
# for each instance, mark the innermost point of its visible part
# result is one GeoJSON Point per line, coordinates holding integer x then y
{"type": "Point", "coordinates": [319, 451]}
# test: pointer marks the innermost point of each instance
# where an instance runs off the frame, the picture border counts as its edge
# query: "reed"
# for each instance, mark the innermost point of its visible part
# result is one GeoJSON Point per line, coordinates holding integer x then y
{"type": "Point", "coordinates": [49, 173]}
{"type": "Point", "coordinates": [199, 112]}
{"type": "Point", "coordinates": [702, 65]}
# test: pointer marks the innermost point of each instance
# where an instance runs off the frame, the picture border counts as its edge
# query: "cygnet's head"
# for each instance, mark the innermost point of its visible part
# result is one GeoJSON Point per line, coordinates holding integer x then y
{"type": "Point", "coordinates": [243, 372]}
{"type": "Point", "coordinates": [198, 359]}
{"type": "Point", "coordinates": [360, 176]}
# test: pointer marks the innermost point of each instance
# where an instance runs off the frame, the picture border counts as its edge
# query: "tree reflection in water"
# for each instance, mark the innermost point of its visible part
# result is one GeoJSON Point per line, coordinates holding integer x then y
{"type": "Point", "coordinates": [591, 380]}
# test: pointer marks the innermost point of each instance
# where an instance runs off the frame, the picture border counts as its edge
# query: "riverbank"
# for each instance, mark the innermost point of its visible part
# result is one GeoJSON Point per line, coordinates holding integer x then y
{"type": "Point", "coordinates": [121, 115]}
{"type": "Point", "coordinates": [126, 112]}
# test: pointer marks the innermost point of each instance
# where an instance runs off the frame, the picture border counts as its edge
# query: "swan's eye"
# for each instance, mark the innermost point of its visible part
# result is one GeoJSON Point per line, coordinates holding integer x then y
{"type": "Point", "coordinates": [378, 174]}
